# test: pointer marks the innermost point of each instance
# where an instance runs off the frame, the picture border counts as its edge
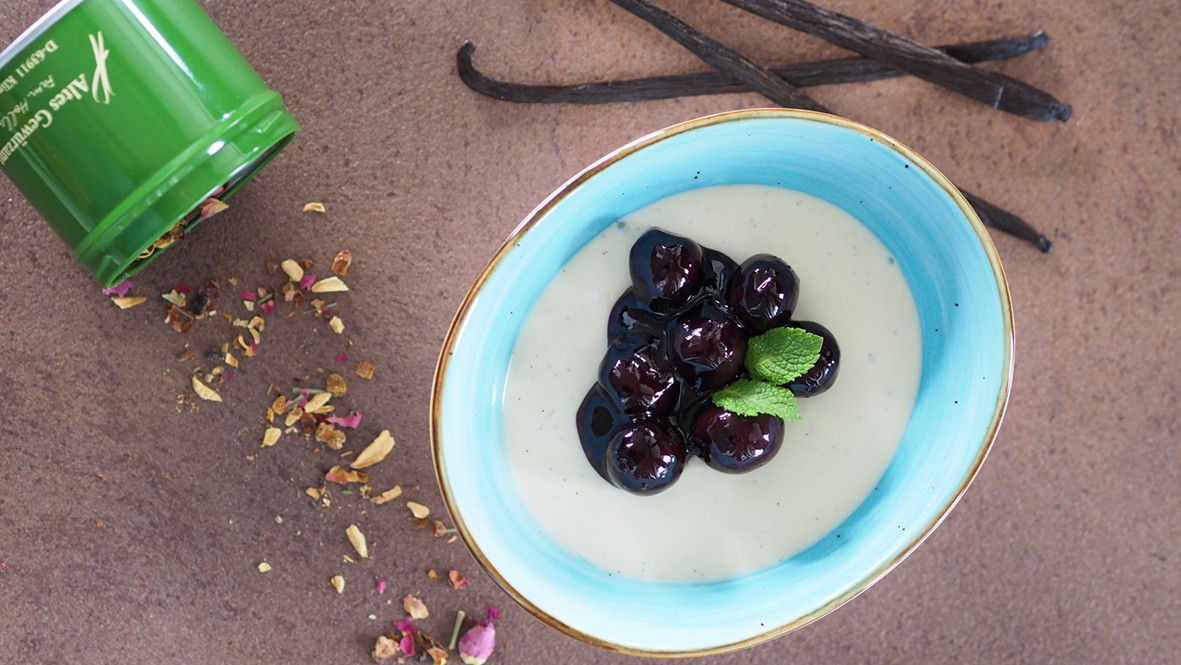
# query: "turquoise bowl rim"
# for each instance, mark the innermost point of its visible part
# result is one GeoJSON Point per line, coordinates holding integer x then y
{"type": "Point", "coordinates": [990, 418]}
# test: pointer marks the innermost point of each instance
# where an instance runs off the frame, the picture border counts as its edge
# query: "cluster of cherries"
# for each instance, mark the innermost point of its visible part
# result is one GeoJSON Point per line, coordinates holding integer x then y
{"type": "Point", "coordinates": [677, 336]}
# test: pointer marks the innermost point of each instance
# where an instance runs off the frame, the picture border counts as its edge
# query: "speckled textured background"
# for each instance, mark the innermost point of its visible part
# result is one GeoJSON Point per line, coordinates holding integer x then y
{"type": "Point", "coordinates": [130, 528]}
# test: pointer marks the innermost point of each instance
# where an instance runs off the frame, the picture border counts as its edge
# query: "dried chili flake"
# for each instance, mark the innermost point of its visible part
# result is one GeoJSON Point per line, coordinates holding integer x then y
{"type": "Point", "coordinates": [456, 579]}
{"type": "Point", "coordinates": [415, 607]}
{"type": "Point", "coordinates": [121, 289]}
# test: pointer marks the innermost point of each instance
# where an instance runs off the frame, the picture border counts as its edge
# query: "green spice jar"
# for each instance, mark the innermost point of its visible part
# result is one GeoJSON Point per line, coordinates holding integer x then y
{"type": "Point", "coordinates": [118, 118]}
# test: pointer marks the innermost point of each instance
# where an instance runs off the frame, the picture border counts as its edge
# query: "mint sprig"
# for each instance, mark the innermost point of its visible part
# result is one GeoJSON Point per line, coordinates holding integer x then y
{"type": "Point", "coordinates": [750, 398]}
{"type": "Point", "coordinates": [782, 355]}
{"type": "Point", "coordinates": [773, 359]}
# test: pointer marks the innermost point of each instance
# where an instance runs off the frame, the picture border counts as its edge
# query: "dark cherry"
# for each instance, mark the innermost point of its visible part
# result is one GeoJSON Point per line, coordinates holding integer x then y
{"type": "Point", "coordinates": [717, 270]}
{"type": "Point", "coordinates": [706, 346]}
{"type": "Point", "coordinates": [644, 458]}
{"type": "Point", "coordinates": [597, 420]}
{"type": "Point", "coordinates": [631, 317]}
{"type": "Point", "coordinates": [764, 293]}
{"type": "Point", "coordinates": [665, 269]}
{"type": "Point", "coordinates": [631, 376]}
{"type": "Point", "coordinates": [736, 444]}
{"type": "Point", "coordinates": [824, 372]}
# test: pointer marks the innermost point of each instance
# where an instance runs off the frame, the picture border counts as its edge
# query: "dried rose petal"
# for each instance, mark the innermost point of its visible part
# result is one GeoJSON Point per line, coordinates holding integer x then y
{"type": "Point", "coordinates": [415, 607]}
{"type": "Point", "coordinates": [388, 495]}
{"type": "Point", "coordinates": [248, 296]}
{"type": "Point", "coordinates": [456, 578]}
{"type": "Point", "coordinates": [307, 281]}
{"type": "Point", "coordinates": [128, 302]}
{"type": "Point", "coordinates": [375, 452]}
{"type": "Point", "coordinates": [407, 642]}
{"type": "Point", "coordinates": [268, 307]}
{"type": "Point", "coordinates": [381, 585]}
{"type": "Point", "coordinates": [119, 289]}
{"type": "Point", "coordinates": [351, 421]}
{"type": "Point", "coordinates": [479, 641]}
{"type": "Point", "coordinates": [212, 206]}
{"type": "Point", "coordinates": [329, 285]}
{"type": "Point", "coordinates": [205, 392]}
{"type": "Point", "coordinates": [341, 358]}
{"type": "Point", "coordinates": [438, 654]}
{"type": "Point", "coordinates": [358, 540]}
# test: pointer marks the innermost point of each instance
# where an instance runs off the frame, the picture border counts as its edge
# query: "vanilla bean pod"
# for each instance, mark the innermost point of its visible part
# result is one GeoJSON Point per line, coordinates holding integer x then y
{"type": "Point", "coordinates": [805, 74]}
{"type": "Point", "coordinates": [996, 90]}
{"type": "Point", "coordinates": [722, 57]}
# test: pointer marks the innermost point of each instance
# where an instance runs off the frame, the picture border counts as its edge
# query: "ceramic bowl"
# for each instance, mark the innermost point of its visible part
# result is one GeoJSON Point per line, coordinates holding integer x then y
{"type": "Point", "coordinates": [964, 312]}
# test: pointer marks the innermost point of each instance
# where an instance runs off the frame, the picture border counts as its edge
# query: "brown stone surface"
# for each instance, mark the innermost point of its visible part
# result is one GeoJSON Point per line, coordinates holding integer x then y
{"type": "Point", "coordinates": [130, 529]}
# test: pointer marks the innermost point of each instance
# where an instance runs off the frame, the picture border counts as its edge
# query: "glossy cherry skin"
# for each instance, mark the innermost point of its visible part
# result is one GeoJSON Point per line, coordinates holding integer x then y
{"type": "Point", "coordinates": [736, 444]}
{"type": "Point", "coordinates": [665, 269]}
{"type": "Point", "coordinates": [718, 270]}
{"type": "Point", "coordinates": [631, 317]}
{"type": "Point", "coordinates": [632, 376]}
{"type": "Point", "coordinates": [597, 420]}
{"type": "Point", "coordinates": [707, 346]}
{"type": "Point", "coordinates": [764, 293]}
{"type": "Point", "coordinates": [824, 372]}
{"type": "Point", "coordinates": [644, 458]}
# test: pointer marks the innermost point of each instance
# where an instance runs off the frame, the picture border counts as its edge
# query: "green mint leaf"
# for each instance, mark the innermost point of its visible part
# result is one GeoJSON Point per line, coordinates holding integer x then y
{"type": "Point", "coordinates": [781, 355]}
{"type": "Point", "coordinates": [750, 398]}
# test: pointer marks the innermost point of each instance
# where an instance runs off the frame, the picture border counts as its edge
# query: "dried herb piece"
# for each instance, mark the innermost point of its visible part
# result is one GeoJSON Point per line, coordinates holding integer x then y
{"type": "Point", "coordinates": [338, 583]}
{"type": "Point", "coordinates": [329, 285]}
{"type": "Point", "coordinates": [336, 324]}
{"type": "Point", "coordinates": [127, 302]}
{"type": "Point", "coordinates": [314, 207]}
{"type": "Point", "coordinates": [418, 510]}
{"type": "Point", "coordinates": [264, 567]}
{"type": "Point", "coordinates": [722, 57]}
{"type": "Point", "coordinates": [996, 90]}
{"type": "Point", "coordinates": [271, 436]}
{"type": "Point", "coordinates": [335, 385]}
{"type": "Point", "coordinates": [384, 649]}
{"type": "Point", "coordinates": [365, 370]}
{"type": "Point", "coordinates": [388, 495]}
{"type": "Point", "coordinates": [292, 269]}
{"type": "Point", "coordinates": [801, 75]}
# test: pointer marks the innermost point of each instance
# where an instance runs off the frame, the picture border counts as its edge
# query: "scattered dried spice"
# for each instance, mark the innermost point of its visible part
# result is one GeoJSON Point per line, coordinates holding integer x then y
{"type": "Point", "coordinates": [459, 617]}
{"type": "Point", "coordinates": [340, 475]}
{"type": "Point", "coordinates": [187, 354]}
{"type": "Point", "coordinates": [375, 452]}
{"type": "Point", "coordinates": [316, 492]}
{"type": "Point", "coordinates": [211, 207]}
{"type": "Point", "coordinates": [433, 575]}
{"type": "Point", "coordinates": [293, 270]}
{"type": "Point", "coordinates": [438, 655]}
{"type": "Point", "coordinates": [264, 567]}
{"type": "Point", "coordinates": [340, 264]}
{"type": "Point", "coordinates": [456, 579]}
{"type": "Point", "coordinates": [365, 370]}
{"type": "Point", "coordinates": [351, 421]}
{"type": "Point", "coordinates": [204, 392]}
{"type": "Point", "coordinates": [329, 285]}
{"type": "Point", "coordinates": [335, 385]}
{"type": "Point", "coordinates": [418, 510]}
{"type": "Point", "coordinates": [317, 402]}
{"type": "Point", "coordinates": [271, 436]}
{"type": "Point", "coordinates": [315, 206]}
{"type": "Point", "coordinates": [338, 583]}
{"type": "Point", "coordinates": [385, 648]}
{"type": "Point", "coordinates": [415, 607]}
{"type": "Point", "coordinates": [406, 643]}
{"type": "Point", "coordinates": [358, 540]}
{"type": "Point", "coordinates": [127, 302]}
{"type": "Point", "coordinates": [336, 324]}
{"type": "Point", "coordinates": [380, 586]}
{"type": "Point", "coordinates": [388, 495]}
